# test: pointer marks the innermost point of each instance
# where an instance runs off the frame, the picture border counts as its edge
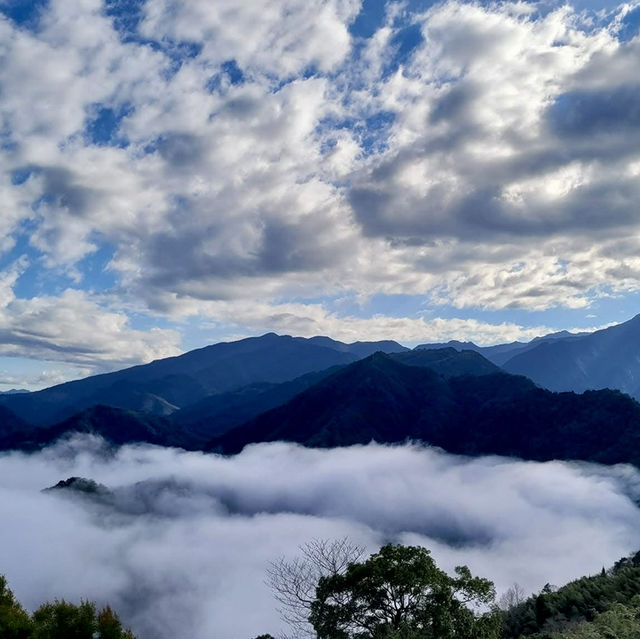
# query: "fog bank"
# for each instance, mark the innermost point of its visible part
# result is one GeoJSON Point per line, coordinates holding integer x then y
{"type": "Point", "coordinates": [181, 545]}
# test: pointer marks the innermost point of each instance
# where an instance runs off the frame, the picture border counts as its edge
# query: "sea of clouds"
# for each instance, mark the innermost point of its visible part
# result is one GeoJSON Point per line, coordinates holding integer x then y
{"type": "Point", "coordinates": [181, 546]}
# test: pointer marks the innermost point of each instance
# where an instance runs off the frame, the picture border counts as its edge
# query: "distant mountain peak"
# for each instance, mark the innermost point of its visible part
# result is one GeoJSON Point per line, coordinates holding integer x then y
{"type": "Point", "coordinates": [80, 485]}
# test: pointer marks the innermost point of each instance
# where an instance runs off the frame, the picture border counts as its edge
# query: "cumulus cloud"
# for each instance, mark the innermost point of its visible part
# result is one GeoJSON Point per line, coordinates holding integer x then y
{"type": "Point", "coordinates": [307, 320]}
{"type": "Point", "coordinates": [181, 546]}
{"type": "Point", "coordinates": [286, 36]}
{"type": "Point", "coordinates": [29, 380]}
{"type": "Point", "coordinates": [75, 329]}
{"type": "Point", "coordinates": [492, 164]}
{"type": "Point", "coordinates": [490, 151]}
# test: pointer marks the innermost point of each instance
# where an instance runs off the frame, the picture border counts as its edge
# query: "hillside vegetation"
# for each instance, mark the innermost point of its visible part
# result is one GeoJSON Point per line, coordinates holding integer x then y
{"type": "Point", "coordinates": [396, 593]}
{"type": "Point", "coordinates": [57, 620]}
{"type": "Point", "coordinates": [603, 605]}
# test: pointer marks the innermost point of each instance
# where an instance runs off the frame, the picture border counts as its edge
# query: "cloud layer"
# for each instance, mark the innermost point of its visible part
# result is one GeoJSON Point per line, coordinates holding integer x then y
{"type": "Point", "coordinates": [479, 155]}
{"type": "Point", "coordinates": [183, 548]}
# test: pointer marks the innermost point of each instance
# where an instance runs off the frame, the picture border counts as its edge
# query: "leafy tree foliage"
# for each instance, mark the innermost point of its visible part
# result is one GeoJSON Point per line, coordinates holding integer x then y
{"type": "Point", "coordinates": [14, 621]}
{"type": "Point", "coordinates": [110, 627]}
{"type": "Point", "coordinates": [583, 600]}
{"type": "Point", "coordinates": [400, 593]}
{"type": "Point", "coordinates": [63, 619]}
{"type": "Point", "coordinates": [57, 620]}
{"type": "Point", "coordinates": [619, 622]}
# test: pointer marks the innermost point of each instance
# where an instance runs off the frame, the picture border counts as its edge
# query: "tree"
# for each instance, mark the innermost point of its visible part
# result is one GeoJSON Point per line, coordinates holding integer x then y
{"type": "Point", "coordinates": [14, 621]}
{"type": "Point", "coordinates": [294, 581]}
{"type": "Point", "coordinates": [619, 622]}
{"type": "Point", "coordinates": [110, 627]}
{"type": "Point", "coordinates": [512, 597]}
{"type": "Point", "coordinates": [400, 593]}
{"type": "Point", "coordinates": [57, 620]}
{"type": "Point", "coordinates": [64, 620]}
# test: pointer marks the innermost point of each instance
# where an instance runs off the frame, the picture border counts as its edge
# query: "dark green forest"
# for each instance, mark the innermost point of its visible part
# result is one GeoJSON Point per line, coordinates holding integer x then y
{"type": "Point", "coordinates": [603, 605]}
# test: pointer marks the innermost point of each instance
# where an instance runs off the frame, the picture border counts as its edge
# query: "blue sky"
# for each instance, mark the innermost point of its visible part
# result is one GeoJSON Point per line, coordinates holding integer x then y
{"type": "Point", "coordinates": [175, 174]}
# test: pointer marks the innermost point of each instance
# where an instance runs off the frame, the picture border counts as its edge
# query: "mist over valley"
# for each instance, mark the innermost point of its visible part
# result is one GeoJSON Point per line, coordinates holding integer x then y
{"type": "Point", "coordinates": [180, 544]}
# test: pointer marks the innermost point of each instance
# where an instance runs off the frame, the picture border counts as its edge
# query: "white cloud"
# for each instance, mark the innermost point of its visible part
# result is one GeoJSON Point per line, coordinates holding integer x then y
{"type": "Point", "coordinates": [474, 164]}
{"type": "Point", "coordinates": [28, 379]}
{"type": "Point", "coordinates": [286, 36]}
{"type": "Point", "coordinates": [184, 549]}
{"type": "Point", "coordinates": [479, 193]}
{"type": "Point", "coordinates": [75, 329]}
{"type": "Point", "coordinates": [307, 320]}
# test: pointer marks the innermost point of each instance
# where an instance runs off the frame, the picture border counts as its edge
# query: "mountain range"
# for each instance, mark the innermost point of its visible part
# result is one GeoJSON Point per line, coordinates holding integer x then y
{"type": "Point", "coordinates": [164, 386]}
{"type": "Point", "coordinates": [381, 399]}
{"type": "Point", "coordinates": [607, 358]}
{"type": "Point", "coordinates": [321, 392]}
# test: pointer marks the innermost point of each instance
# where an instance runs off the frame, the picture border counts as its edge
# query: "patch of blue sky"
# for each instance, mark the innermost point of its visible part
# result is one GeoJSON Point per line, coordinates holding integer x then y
{"type": "Point", "coordinates": [395, 305]}
{"type": "Point", "coordinates": [369, 20]}
{"type": "Point", "coordinates": [39, 281]}
{"type": "Point", "coordinates": [594, 5]}
{"type": "Point", "coordinates": [373, 14]}
{"type": "Point", "coordinates": [21, 175]}
{"type": "Point", "coordinates": [230, 74]}
{"type": "Point", "coordinates": [197, 332]}
{"type": "Point", "coordinates": [30, 374]}
{"type": "Point", "coordinates": [149, 321]}
{"type": "Point", "coordinates": [20, 248]}
{"type": "Point", "coordinates": [34, 280]}
{"type": "Point", "coordinates": [180, 51]}
{"type": "Point", "coordinates": [375, 131]}
{"type": "Point", "coordinates": [630, 25]}
{"type": "Point", "coordinates": [127, 16]}
{"type": "Point", "coordinates": [7, 143]}
{"type": "Point", "coordinates": [24, 13]}
{"type": "Point", "coordinates": [152, 146]}
{"type": "Point", "coordinates": [96, 275]}
{"type": "Point", "coordinates": [102, 125]}
{"type": "Point", "coordinates": [372, 132]}
{"type": "Point", "coordinates": [404, 42]}
{"type": "Point", "coordinates": [610, 307]}
{"type": "Point", "coordinates": [407, 33]}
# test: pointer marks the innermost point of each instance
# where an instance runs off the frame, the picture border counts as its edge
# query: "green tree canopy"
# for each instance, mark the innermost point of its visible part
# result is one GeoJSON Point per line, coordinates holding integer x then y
{"type": "Point", "coordinates": [400, 593]}
{"type": "Point", "coordinates": [14, 621]}
{"type": "Point", "coordinates": [57, 620]}
{"type": "Point", "coordinates": [63, 619]}
{"type": "Point", "coordinates": [619, 622]}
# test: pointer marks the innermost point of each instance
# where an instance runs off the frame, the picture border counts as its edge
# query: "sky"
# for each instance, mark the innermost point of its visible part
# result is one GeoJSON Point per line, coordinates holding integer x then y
{"type": "Point", "coordinates": [174, 174]}
{"type": "Point", "coordinates": [182, 546]}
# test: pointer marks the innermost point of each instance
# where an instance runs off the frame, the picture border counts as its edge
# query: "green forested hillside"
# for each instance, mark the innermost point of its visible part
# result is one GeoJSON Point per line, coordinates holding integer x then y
{"type": "Point", "coordinates": [587, 607]}
{"type": "Point", "coordinates": [381, 399]}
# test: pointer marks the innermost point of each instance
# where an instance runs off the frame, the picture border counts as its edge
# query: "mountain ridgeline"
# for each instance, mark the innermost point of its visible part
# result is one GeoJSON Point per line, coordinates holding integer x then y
{"type": "Point", "coordinates": [320, 392]}
{"type": "Point", "coordinates": [164, 386]}
{"type": "Point", "coordinates": [607, 358]}
{"type": "Point", "coordinates": [384, 400]}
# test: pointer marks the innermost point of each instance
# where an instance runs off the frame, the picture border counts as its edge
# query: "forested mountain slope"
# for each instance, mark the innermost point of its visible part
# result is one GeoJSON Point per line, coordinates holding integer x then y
{"type": "Point", "coordinates": [381, 399]}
